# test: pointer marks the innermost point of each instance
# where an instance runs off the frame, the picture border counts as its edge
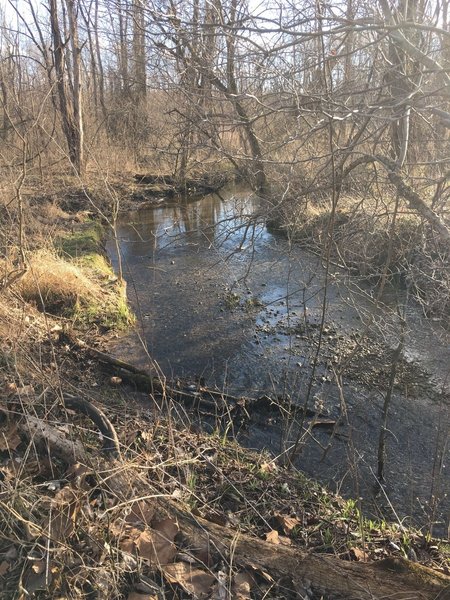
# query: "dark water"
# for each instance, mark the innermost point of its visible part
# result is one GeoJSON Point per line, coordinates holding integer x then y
{"type": "Point", "coordinates": [218, 296]}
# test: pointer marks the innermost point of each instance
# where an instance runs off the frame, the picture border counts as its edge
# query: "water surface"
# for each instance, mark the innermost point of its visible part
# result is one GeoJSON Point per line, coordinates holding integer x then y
{"type": "Point", "coordinates": [218, 296]}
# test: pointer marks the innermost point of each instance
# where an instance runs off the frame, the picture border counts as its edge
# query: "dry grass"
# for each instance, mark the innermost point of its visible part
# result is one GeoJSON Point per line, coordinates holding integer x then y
{"type": "Point", "coordinates": [57, 286]}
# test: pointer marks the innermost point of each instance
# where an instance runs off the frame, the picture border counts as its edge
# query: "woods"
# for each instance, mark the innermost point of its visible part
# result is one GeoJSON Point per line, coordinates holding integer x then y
{"type": "Point", "coordinates": [254, 87]}
{"type": "Point", "coordinates": [292, 98]}
{"type": "Point", "coordinates": [264, 184]}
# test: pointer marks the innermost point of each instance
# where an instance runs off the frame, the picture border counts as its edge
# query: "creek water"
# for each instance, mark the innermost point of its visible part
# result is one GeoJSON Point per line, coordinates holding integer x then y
{"type": "Point", "coordinates": [220, 297]}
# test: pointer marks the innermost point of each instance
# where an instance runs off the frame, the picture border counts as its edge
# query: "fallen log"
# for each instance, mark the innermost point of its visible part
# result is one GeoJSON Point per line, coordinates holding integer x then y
{"type": "Point", "coordinates": [153, 179]}
{"type": "Point", "coordinates": [111, 360]}
{"type": "Point", "coordinates": [45, 435]}
{"type": "Point", "coordinates": [168, 186]}
{"type": "Point", "coordinates": [391, 578]}
{"type": "Point", "coordinates": [52, 440]}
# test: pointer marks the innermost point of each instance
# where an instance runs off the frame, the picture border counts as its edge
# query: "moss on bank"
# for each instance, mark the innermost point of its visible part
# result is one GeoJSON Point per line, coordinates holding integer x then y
{"type": "Point", "coordinates": [84, 247]}
{"type": "Point", "coordinates": [76, 280]}
{"type": "Point", "coordinates": [83, 242]}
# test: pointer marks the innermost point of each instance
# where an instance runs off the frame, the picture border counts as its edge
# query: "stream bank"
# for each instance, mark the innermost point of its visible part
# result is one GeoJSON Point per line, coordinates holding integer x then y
{"type": "Point", "coordinates": [118, 526]}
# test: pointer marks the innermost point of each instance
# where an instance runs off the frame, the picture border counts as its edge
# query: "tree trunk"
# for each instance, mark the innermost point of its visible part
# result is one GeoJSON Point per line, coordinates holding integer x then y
{"type": "Point", "coordinates": [69, 106]}
{"type": "Point", "coordinates": [78, 131]}
{"type": "Point", "coordinates": [139, 57]}
{"type": "Point", "coordinates": [326, 575]}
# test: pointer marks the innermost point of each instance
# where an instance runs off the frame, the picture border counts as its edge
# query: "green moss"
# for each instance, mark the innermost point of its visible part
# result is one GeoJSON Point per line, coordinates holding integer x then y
{"type": "Point", "coordinates": [112, 313]}
{"type": "Point", "coordinates": [86, 240]}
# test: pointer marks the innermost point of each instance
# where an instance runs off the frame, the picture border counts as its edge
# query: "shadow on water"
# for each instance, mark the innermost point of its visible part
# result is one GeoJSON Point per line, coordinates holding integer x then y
{"type": "Point", "coordinates": [220, 297]}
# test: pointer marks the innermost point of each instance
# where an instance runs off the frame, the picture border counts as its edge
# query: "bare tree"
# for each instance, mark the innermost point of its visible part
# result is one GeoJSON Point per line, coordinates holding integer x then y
{"type": "Point", "coordinates": [68, 81]}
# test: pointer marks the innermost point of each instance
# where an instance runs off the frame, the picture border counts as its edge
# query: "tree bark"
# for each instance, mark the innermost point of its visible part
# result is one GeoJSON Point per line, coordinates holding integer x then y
{"type": "Point", "coordinates": [78, 130]}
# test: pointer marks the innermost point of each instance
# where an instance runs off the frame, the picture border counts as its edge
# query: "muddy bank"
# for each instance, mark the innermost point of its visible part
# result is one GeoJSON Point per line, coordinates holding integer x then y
{"type": "Point", "coordinates": [223, 299]}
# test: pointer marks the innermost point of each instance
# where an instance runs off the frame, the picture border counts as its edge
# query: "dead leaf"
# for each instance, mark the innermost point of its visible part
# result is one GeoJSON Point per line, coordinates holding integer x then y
{"type": "Point", "coordinates": [193, 581]}
{"type": "Point", "coordinates": [38, 567]}
{"type": "Point", "coordinates": [272, 537]}
{"type": "Point", "coordinates": [11, 388]}
{"type": "Point", "coordinates": [287, 524]}
{"type": "Point", "coordinates": [156, 547]}
{"type": "Point", "coordinates": [66, 506]}
{"type": "Point", "coordinates": [127, 545]}
{"type": "Point", "coordinates": [200, 549]}
{"type": "Point", "coordinates": [4, 568]}
{"type": "Point", "coordinates": [268, 467]}
{"type": "Point", "coordinates": [284, 540]}
{"type": "Point", "coordinates": [166, 527]}
{"type": "Point", "coordinates": [115, 380]}
{"type": "Point", "coordinates": [35, 581]}
{"type": "Point", "coordinates": [242, 585]}
{"type": "Point", "coordinates": [359, 555]}
{"type": "Point", "coordinates": [137, 596]}
{"type": "Point", "coordinates": [9, 470]}
{"type": "Point", "coordinates": [9, 438]}
{"type": "Point", "coordinates": [141, 512]}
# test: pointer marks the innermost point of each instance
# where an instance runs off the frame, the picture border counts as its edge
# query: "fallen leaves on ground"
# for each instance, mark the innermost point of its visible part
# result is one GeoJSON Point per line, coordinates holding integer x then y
{"type": "Point", "coordinates": [358, 554]}
{"type": "Point", "coordinates": [193, 580]}
{"type": "Point", "coordinates": [287, 524]}
{"type": "Point", "coordinates": [154, 544]}
{"type": "Point", "coordinates": [66, 507]}
{"type": "Point", "coordinates": [9, 437]}
{"type": "Point", "coordinates": [272, 537]}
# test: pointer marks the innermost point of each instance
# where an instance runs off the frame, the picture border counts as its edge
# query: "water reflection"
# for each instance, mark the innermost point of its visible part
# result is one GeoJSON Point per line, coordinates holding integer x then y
{"type": "Point", "coordinates": [211, 223]}
{"type": "Point", "coordinates": [179, 262]}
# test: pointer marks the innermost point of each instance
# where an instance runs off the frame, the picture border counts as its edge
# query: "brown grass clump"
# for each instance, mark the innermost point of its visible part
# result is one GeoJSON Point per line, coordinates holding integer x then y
{"type": "Point", "coordinates": [56, 285]}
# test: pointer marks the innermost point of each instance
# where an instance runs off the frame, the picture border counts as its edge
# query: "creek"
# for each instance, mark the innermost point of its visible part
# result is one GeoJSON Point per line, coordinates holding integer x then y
{"type": "Point", "coordinates": [217, 296]}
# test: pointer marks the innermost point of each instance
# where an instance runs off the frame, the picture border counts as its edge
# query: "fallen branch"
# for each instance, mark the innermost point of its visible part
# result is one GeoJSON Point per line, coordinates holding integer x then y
{"type": "Point", "coordinates": [111, 444]}
{"type": "Point", "coordinates": [204, 398]}
{"type": "Point", "coordinates": [52, 440]}
{"type": "Point", "coordinates": [71, 451]}
{"type": "Point", "coordinates": [413, 199]}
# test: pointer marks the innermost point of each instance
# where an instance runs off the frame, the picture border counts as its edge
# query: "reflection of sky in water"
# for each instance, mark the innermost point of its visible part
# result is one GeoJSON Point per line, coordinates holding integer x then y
{"type": "Point", "coordinates": [180, 260]}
